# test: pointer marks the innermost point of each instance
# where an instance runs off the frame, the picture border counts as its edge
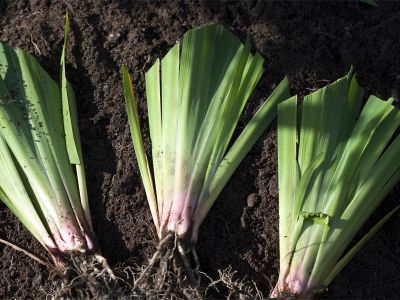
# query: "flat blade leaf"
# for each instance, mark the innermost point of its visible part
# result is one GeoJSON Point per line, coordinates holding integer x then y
{"type": "Point", "coordinates": [141, 157]}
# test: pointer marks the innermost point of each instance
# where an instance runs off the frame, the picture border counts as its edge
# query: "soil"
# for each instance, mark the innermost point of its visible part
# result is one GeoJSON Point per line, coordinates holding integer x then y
{"type": "Point", "coordinates": [312, 42]}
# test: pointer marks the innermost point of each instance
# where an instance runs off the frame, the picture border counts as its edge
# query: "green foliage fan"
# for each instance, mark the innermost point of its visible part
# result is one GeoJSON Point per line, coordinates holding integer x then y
{"type": "Point", "coordinates": [336, 165]}
{"type": "Point", "coordinates": [195, 96]}
{"type": "Point", "coordinates": [42, 178]}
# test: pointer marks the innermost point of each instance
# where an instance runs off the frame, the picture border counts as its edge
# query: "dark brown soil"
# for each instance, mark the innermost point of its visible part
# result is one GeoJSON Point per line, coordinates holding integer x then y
{"type": "Point", "coordinates": [313, 43]}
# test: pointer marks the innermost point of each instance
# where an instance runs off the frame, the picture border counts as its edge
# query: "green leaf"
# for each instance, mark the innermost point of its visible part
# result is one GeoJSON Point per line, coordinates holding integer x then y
{"type": "Point", "coordinates": [250, 134]}
{"type": "Point", "coordinates": [288, 174]}
{"type": "Point", "coordinates": [141, 157]}
{"type": "Point", "coordinates": [72, 136]}
{"type": "Point", "coordinates": [43, 189]}
{"type": "Point", "coordinates": [357, 247]}
{"type": "Point", "coordinates": [304, 183]}
{"type": "Point", "coordinates": [154, 108]}
{"type": "Point", "coordinates": [70, 115]}
{"type": "Point", "coordinates": [13, 189]}
{"type": "Point", "coordinates": [193, 111]}
{"type": "Point", "coordinates": [336, 192]}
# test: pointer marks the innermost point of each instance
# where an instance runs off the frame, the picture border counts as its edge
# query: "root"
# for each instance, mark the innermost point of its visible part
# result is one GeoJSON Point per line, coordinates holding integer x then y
{"type": "Point", "coordinates": [235, 288]}
{"type": "Point", "coordinates": [27, 253]}
{"type": "Point", "coordinates": [172, 272]}
{"type": "Point", "coordinates": [89, 277]}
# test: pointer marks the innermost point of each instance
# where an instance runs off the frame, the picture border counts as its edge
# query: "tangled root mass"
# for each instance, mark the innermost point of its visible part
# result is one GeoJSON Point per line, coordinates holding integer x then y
{"type": "Point", "coordinates": [89, 277]}
{"type": "Point", "coordinates": [172, 273]}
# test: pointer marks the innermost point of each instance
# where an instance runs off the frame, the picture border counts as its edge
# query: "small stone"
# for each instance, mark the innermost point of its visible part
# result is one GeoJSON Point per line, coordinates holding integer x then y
{"type": "Point", "coordinates": [252, 200]}
{"type": "Point", "coordinates": [244, 219]}
{"type": "Point", "coordinates": [112, 39]}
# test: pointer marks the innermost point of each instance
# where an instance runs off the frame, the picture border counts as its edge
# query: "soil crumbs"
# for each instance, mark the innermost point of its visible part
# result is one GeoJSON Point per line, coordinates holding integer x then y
{"type": "Point", "coordinates": [314, 43]}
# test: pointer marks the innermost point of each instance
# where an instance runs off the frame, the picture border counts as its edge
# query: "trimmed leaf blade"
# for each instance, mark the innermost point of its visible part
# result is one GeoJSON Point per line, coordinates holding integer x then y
{"type": "Point", "coordinates": [337, 191]}
{"type": "Point", "coordinates": [193, 109]}
{"type": "Point", "coordinates": [141, 157]}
